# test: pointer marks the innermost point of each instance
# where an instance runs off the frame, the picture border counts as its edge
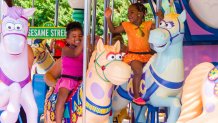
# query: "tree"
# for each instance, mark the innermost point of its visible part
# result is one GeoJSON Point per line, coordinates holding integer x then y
{"type": "Point", "coordinates": [120, 14]}
{"type": "Point", "coordinates": [45, 11]}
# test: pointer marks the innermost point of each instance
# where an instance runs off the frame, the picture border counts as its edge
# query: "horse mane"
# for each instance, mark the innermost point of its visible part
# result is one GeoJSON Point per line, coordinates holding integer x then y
{"type": "Point", "coordinates": [14, 12]}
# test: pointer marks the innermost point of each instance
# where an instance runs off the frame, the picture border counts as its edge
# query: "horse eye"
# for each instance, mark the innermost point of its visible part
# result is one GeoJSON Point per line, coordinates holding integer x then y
{"type": "Point", "coordinates": [18, 27]}
{"type": "Point", "coordinates": [162, 24]}
{"type": "Point", "coordinates": [111, 57]}
{"type": "Point", "coordinates": [10, 26]}
{"type": "Point", "coordinates": [169, 25]}
{"type": "Point", "coordinates": [118, 57]}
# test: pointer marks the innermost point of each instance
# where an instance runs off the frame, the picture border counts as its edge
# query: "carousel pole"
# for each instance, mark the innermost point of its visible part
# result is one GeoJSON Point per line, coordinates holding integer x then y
{"type": "Point", "coordinates": [1, 3]}
{"type": "Point", "coordinates": [106, 4]}
{"type": "Point", "coordinates": [93, 22]}
{"type": "Point", "coordinates": [157, 9]}
{"type": "Point", "coordinates": [56, 12]}
{"type": "Point", "coordinates": [32, 23]}
{"type": "Point", "coordinates": [111, 35]}
{"type": "Point", "coordinates": [86, 32]}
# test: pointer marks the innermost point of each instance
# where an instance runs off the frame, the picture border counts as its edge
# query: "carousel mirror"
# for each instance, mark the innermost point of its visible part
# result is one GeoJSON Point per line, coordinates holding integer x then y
{"type": "Point", "coordinates": [205, 11]}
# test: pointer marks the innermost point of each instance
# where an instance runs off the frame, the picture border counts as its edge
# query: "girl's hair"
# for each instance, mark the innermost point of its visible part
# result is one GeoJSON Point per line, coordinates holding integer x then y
{"type": "Point", "coordinates": [73, 26]}
{"type": "Point", "coordinates": [9, 3]}
{"type": "Point", "coordinates": [140, 7]}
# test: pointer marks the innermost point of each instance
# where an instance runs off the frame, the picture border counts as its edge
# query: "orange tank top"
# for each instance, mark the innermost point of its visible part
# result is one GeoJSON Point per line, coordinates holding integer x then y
{"type": "Point", "coordinates": [138, 36]}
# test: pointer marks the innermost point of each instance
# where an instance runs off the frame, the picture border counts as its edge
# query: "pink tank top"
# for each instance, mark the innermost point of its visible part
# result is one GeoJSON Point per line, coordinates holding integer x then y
{"type": "Point", "coordinates": [72, 66]}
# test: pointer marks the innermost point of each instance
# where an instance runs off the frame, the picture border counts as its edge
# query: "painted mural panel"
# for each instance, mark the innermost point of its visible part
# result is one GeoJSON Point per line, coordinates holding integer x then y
{"type": "Point", "coordinates": [206, 11]}
{"type": "Point", "coordinates": [197, 54]}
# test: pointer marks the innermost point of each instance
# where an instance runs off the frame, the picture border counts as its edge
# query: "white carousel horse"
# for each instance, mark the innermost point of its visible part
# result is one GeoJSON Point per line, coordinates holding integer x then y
{"type": "Point", "coordinates": [200, 95]}
{"type": "Point", "coordinates": [15, 82]}
{"type": "Point", "coordinates": [163, 75]}
{"type": "Point", "coordinates": [104, 71]}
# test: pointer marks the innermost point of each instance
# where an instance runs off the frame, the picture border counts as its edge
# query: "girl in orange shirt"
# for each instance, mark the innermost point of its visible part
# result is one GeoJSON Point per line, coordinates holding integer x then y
{"type": "Point", "coordinates": [139, 52]}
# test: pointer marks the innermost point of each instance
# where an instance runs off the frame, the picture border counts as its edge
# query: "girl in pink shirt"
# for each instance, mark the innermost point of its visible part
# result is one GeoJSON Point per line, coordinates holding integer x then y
{"type": "Point", "coordinates": [72, 66]}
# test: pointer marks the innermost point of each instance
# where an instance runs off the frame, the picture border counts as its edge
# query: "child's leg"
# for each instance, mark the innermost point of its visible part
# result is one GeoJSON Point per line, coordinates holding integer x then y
{"type": "Point", "coordinates": [137, 71]}
{"type": "Point", "coordinates": [59, 109]}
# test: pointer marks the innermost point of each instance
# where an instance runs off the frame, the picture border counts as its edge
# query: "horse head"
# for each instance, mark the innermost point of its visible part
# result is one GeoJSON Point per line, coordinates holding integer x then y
{"type": "Point", "coordinates": [15, 28]}
{"type": "Point", "coordinates": [106, 60]}
{"type": "Point", "coordinates": [169, 32]}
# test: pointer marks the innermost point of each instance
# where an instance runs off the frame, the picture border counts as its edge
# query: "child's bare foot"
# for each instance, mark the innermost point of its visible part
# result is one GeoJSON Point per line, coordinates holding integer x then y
{"type": "Point", "coordinates": [139, 101]}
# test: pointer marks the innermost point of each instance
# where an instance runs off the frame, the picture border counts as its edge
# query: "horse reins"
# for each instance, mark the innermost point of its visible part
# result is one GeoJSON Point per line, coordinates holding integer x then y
{"type": "Point", "coordinates": [172, 37]}
{"type": "Point", "coordinates": [103, 67]}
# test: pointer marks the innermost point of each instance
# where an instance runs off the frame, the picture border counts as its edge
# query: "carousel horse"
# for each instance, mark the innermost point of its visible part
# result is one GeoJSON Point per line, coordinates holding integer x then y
{"type": "Point", "coordinates": [199, 97]}
{"type": "Point", "coordinates": [15, 64]}
{"type": "Point", "coordinates": [163, 75]}
{"type": "Point", "coordinates": [104, 71]}
{"type": "Point", "coordinates": [42, 56]}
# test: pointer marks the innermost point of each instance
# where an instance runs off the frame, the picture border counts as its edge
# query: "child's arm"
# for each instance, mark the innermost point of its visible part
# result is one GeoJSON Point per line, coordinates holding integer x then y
{"type": "Point", "coordinates": [171, 2]}
{"type": "Point", "coordinates": [69, 52]}
{"type": "Point", "coordinates": [160, 17]}
{"type": "Point", "coordinates": [118, 29]}
{"type": "Point", "coordinates": [30, 56]}
{"type": "Point", "coordinates": [53, 74]}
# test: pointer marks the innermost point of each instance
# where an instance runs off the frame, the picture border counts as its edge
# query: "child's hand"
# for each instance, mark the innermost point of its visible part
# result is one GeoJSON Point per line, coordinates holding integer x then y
{"type": "Point", "coordinates": [171, 3]}
{"type": "Point", "coordinates": [160, 14]}
{"type": "Point", "coordinates": [108, 13]}
{"type": "Point", "coordinates": [52, 44]}
{"type": "Point", "coordinates": [89, 45]}
{"type": "Point", "coordinates": [57, 47]}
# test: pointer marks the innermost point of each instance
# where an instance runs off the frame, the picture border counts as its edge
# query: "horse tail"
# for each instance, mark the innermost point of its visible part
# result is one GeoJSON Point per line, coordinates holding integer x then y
{"type": "Point", "coordinates": [191, 95]}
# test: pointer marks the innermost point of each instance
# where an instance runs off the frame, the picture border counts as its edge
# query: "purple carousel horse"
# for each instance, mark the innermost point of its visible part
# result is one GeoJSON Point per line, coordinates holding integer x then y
{"type": "Point", "coordinates": [15, 63]}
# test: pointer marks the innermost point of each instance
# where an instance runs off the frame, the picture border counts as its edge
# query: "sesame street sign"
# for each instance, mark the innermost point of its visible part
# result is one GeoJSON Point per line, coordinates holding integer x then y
{"type": "Point", "coordinates": [47, 32]}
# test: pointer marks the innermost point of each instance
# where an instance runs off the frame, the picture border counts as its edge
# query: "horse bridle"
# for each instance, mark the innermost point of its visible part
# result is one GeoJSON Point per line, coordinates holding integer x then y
{"type": "Point", "coordinates": [172, 37]}
{"type": "Point", "coordinates": [25, 36]}
{"type": "Point", "coordinates": [103, 67]}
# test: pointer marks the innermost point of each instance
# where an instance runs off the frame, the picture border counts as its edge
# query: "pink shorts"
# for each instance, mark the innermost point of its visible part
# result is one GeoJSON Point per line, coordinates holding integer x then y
{"type": "Point", "coordinates": [67, 83]}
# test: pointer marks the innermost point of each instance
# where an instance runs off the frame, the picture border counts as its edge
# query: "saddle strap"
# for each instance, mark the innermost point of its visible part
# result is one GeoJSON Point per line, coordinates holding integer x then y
{"type": "Point", "coordinates": [77, 78]}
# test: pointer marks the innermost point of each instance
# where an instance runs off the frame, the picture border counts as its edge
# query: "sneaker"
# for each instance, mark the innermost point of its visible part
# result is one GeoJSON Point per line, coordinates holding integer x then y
{"type": "Point", "coordinates": [139, 101]}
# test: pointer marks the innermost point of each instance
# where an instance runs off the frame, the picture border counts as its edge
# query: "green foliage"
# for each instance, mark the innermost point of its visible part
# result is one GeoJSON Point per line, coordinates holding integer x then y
{"type": "Point", "coordinates": [149, 15]}
{"type": "Point", "coordinates": [45, 11]}
{"type": "Point", "coordinates": [120, 14]}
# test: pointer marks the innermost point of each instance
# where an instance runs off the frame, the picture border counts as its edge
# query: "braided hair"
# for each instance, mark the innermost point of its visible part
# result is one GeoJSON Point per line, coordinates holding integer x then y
{"type": "Point", "coordinates": [9, 3]}
{"type": "Point", "coordinates": [73, 26]}
{"type": "Point", "coordinates": [141, 8]}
